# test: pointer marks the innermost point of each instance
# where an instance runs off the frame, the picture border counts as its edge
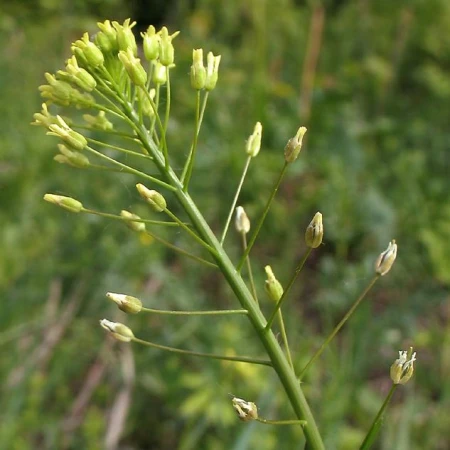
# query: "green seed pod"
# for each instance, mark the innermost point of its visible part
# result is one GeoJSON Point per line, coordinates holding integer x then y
{"type": "Point", "coordinates": [126, 303]}
{"type": "Point", "coordinates": [314, 231]}
{"type": "Point", "coordinates": [68, 203]}
{"type": "Point", "coordinates": [294, 145]}
{"type": "Point", "coordinates": [118, 330]}
{"type": "Point", "coordinates": [273, 286]}
{"type": "Point", "coordinates": [153, 198]}
{"type": "Point", "coordinates": [133, 225]}
{"type": "Point", "coordinates": [133, 67]}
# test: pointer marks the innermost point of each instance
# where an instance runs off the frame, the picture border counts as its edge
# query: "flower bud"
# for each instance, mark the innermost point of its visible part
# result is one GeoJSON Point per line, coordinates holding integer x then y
{"type": "Point", "coordinates": [144, 102]}
{"type": "Point", "coordinates": [118, 330]}
{"type": "Point", "coordinates": [314, 231]}
{"type": "Point", "coordinates": [403, 368]}
{"type": "Point", "coordinates": [68, 203]}
{"type": "Point", "coordinates": [106, 39]}
{"type": "Point", "coordinates": [126, 303]}
{"type": "Point", "coordinates": [151, 44]}
{"type": "Point", "coordinates": [246, 411]}
{"type": "Point", "coordinates": [242, 222]}
{"type": "Point", "coordinates": [154, 198]}
{"type": "Point", "coordinates": [133, 66]}
{"type": "Point", "coordinates": [132, 224]}
{"type": "Point", "coordinates": [294, 145]}
{"type": "Point", "coordinates": [44, 118]}
{"type": "Point", "coordinates": [273, 286]}
{"type": "Point", "coordinates": [212, 71]}
{"type": "Point", "coordinates": [125, 36]}
{"type": "Point", "coordinates": [386, 259]}
{"type": "Point", "coordinates": [74, 159]}
{"type": "Point", "coordinates": [254, 141]}
{"type": "Point", "coordinates": [71, 138]}
{"type": "Point", "coordinates": [98, 122]}
{"type": "Point", "coordinates": [166, 50]}
{"type": "Point", "coordinates": [80, 77]}
{"type": "Point", "coordinates": [159, 73]}
{"type": "Point", "coordinates": [88, 52]}
{"type": "Point", "coordinates": [198, 71]}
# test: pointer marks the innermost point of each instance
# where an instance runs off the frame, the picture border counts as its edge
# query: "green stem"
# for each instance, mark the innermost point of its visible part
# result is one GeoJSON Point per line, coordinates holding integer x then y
{"type": "Point", "coordinates": [278, 360]}
{"type": "Point", "coordinates": [249, 268]}
{"type": "Point", "coordinates": [285, 339]}
{"type": "Point", "coordinates": [244, 359]}
{"type": "Point", "coordinates": [189, 165]}
{"type": "Point", "coordinates": [224, 312]}
{"type": "Point", "coordinates": [127, 219]}
{"type": "Point", "coordinates": [280, 302]}
{"type": "Point", "coordinates": [188, 230]}
{"type": "Point", "coordinates": [181, 251]}
{"type": "Point", "coordinates": [236, 196]}
{"type": "Point", "coordinates": [263, 216]}
{"type": "Point", "coordinates": [281, 422]}
{"type": "Point", "coordinates": [166, 118]}
{"type": "Point", "coordinates": [338, 327]}
{"type": "Point", "coordinates": [130, 169]}
{"type": "Point", "coordinates": [378, 422]}
{"type": "Point", "coordinates": [120, 149]}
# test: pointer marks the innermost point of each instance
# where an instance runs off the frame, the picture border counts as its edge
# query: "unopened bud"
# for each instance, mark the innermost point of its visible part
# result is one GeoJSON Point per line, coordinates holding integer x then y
{"type": "Point", "coordinates": [118, 330]}
{"type": "Point", "coordinates": [126, 303]}
{"type": "Point", "coordinates": [403, 368]}
{"type": "Point", "coordinates": [131, 221]}
{"type": "Point", "coordinates": [151, 44]}
{"type": "Point", "coordinates": [44, 118]}
{"type": "Point", "coordinates": [68, 203]}
{"type": "Point", "coordinates": [99, 122]}
{"type": "Point", "coordinates": [133, 66]}
{"type": "Point", "coordinates": [145, 102]}
{"type": "Point", "coordinates": [166, 50]}
{"type": "Point", "coordinates": [198, 71]}
{"type": "Point", "coordinates": [273, 286]}
{"type": "Point", "coordinates": [159, 73]}
{"type": "Point", "coordinates": [88, 52]}
{"type": "Point", "coordinates": [72, 158]}
{"type": "Point", "coordinates": [106, 39]}
{"type": "Point", "coordinates": [212, 71]}
{"type": "Point", "coordinates": [294, 145]}
{"type": "Point", "coordinates": [254, 141]}
{"type": "Point", "coordinates": [71, 138]}
{"type": "Point", "coordinates": [125, 36]}
{"type": "Point", "coordinates": [386, 259]}
{"type": "Point", "coordinates": [314, 231]}
{"type": "Point", "coordinates": [246, 411]}
{"type": "Point", "coordinates": [154, 198]}
{"type": "Point", "coordinates": [242, 222]}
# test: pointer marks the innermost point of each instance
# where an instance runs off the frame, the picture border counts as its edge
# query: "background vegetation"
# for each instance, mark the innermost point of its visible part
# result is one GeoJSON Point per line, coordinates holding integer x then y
{"type": "Point", "coordinates": [371, 81]}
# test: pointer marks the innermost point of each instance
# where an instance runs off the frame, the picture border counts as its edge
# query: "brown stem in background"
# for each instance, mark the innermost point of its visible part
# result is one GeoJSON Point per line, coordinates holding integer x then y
{"type": "Point", "coordinates": [310, 62]}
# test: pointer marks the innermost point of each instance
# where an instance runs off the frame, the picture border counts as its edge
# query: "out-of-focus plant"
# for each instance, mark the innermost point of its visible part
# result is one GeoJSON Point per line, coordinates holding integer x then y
{"type": "Point", "coordinates": [126, 131]}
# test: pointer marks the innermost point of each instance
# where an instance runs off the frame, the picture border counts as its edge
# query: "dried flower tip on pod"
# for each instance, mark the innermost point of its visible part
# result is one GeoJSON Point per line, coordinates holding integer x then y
{"type": "Point", "coordinates": [198, 70]}
{"type": "Point", "coordinates": [126, 303]}
{"type": "Point", "coordinates": [246, 411]}
{"type": "Point", "coordinates": [254, 141]}
{"type": "Point", "coordinates": [403, 368]}
{"type": "Point", "coordinates": [386, 259]}
{"type": "Point", "coordinates": [294, 145]}
{"type": "Point", "coordinates": [154, 198]}
{"type": "Point", "coordinates": [272, 285]}
{"type": "Point", "coordinates": [212, 71]}
{"type": "Point", "coordinates": [314, 231]}
{"type": "Point", "coordinates": [135, 226]}
{"type": "Point", "coordinates": [118, 330]}
{"type": "Point", "coordinates": [242, 222]}
{"type": "Point", "coordinates": [68, 203]}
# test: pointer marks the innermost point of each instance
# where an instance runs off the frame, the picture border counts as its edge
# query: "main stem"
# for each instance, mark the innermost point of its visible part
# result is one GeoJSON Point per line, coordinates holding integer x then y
{"type": "Point", "coordinates": [273, 349]}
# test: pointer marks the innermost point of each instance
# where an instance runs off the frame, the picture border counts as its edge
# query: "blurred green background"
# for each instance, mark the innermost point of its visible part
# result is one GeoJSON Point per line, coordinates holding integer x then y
{"type": "Point", "coordinates": [371, 81]}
